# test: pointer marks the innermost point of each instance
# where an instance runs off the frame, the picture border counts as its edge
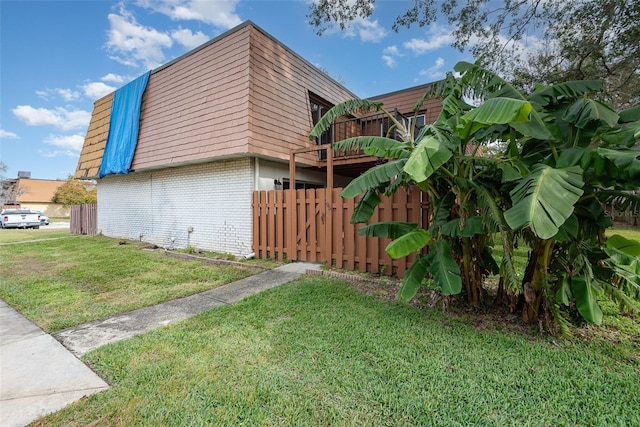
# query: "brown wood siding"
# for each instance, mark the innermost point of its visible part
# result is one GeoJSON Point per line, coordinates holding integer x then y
{"type": "Point", "coordinates": [196, 108]}
{"type": "Point", "coordinates": [280, 117]}
{"type": "Point", "coordinates": [405, 102]}
{"type": "Point", "coordinates": [95, 140]}
{"type": "Point", "coordinates": [243, 93]}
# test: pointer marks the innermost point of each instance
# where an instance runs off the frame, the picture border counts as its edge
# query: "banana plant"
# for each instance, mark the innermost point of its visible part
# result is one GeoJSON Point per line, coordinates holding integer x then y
{"type": "Point", "coordinates": [570, 157]}
{"type": "Point", "coordinates": [566, 156]}
{"type": "Point", "coordinates": [443, 160]}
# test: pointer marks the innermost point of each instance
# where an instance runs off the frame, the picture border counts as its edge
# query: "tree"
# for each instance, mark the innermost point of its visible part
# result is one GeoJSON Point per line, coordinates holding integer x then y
{"type": "Point", "coordinates": [74, 192]}
{"type": "Point", "coordinates": [566, 156]}
{"type": "Point", "coordinates": [9, 191]}
{"type": "Point", "coordinates": [608, 48]}
{"type": "Point", "coordinates": [590, 39]}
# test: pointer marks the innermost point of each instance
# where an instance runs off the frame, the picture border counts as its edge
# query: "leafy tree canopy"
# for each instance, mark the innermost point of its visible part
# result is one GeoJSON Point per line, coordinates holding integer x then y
{"type": "Point", "coordinates": [74, 192]}
{"type": "Point", "coordinates": [9, 191]}
{"type": "Point", "coordinates": [582, 40]}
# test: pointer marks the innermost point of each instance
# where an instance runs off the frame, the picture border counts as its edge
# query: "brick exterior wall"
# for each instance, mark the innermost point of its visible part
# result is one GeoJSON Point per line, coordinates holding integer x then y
{"type": "Point", "coordinates": [159, 206]}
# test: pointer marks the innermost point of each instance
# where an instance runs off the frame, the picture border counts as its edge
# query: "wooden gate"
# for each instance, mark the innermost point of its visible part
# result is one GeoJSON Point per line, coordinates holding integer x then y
{"type": "Point", "coordinates": [314, 225]}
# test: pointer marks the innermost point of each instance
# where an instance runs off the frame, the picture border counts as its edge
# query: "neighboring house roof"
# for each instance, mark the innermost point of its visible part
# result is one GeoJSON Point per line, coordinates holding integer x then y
{"type": "Point", "coordinates": [37, 190]}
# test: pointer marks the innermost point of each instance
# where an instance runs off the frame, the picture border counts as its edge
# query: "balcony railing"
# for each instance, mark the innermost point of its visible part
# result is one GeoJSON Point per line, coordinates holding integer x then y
{"type": "Point", "coordinates": [371, 125]}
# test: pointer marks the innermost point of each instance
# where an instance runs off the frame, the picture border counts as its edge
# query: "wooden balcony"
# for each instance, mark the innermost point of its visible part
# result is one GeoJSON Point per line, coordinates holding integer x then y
{"type": "Point", "coordinates": [377, 124]}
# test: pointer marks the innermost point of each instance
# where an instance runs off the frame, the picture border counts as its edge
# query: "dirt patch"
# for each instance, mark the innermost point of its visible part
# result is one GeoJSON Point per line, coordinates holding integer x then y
{"type": "Point", "coordinates": [213, 261]}
{"type": "Point", "coordinates": [27, 265]}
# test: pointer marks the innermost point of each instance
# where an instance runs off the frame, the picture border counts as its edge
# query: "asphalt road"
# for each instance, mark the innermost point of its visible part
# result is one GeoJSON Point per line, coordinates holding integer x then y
{"type": "Point", "coordinates": [56, 225]}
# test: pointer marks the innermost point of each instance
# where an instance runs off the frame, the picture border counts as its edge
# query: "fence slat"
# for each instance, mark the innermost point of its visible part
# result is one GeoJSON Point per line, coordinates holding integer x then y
{"type": "Point", "coordinates": [301, 238]}
{"type": "Point", "coordinates": [338, 241]}
{"type": "Point", "coordinates": [279, 224]}
{"type": "Point", "coordinates": [292, 229]}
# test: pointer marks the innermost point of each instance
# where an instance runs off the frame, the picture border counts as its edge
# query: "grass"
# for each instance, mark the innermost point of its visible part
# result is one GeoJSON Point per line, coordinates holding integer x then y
{"type": "Point", "coordinates": [315, 352]}
{"type": "Point", "coordinates": [12, 235]}
{"type": "Point", "coordinates": [59, 219]}
{"type": "Point", "coordinates": [629, 233]}
{"type": "Point", "coordinates": [69, 281]}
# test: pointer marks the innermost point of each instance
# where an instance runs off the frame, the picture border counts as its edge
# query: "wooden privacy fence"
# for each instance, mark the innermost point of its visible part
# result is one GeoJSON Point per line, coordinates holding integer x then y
{"type": "Point", "coordinates": [314, 225]}
{"type": "Point", "coordinates": [84, 219]}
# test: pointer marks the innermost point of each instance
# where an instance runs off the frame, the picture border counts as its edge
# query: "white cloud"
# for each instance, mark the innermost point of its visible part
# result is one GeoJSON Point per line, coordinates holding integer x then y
{"type": "Point", "coordinates": [437, 37]}
{"type": "Point", "coordinates": [96, 90]}
{"type": "Point", "coordinates": [434, 72]}
{"type": "Point", "coordinates": [389, 55]}
{"type": "Point", "coordinates": [527, 46]}
{"type": "Point", "coordinates": [392, 50]}
{"type": "Point", "coordinates": [113, 78]}
{"type": "Point", "coordinates": [189, 39]}
{"type": "Point", "coordinates": [7, 135]}
{"type": "Point", "coordinates": [389, 61]}
{"type": "Point", "coordinates": [220, 13]}
{"type": "Point", "coordinates": [519, 52]}
{"type": "Point", "coordinates": [370, 31]}
{"type": "Point", "coordinates": [366, 30]}
{"type": "Point", "coordinates": [131, 43]}
{"type": "Point", "coordinates": [60, 117]}
{"type": "Point", "coordinates": [66, 94]}
{"type": "Point", "coordinates": [67, 144]}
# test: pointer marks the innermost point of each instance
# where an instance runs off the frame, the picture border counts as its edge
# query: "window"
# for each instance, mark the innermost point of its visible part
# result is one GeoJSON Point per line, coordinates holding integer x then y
{"type": "Point", "coordinates": [319, 108]}
{"type": "Point", "coordinates": [300, 185]}
{"type": "Point", "coordinates": [417, 122]}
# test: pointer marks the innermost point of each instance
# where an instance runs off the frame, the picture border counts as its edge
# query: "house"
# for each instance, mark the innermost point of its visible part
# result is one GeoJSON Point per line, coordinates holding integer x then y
{"type": "Point", "coordinates": [215, 125]}
{"type": "Point", "coordinates": [34, 194]}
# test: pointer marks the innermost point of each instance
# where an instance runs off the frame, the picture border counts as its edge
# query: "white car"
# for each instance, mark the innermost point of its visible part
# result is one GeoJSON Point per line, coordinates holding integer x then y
{"type": "Point", "coordinates": [19, 218]}
{"type": "Point", "coordinates": [44, 219]}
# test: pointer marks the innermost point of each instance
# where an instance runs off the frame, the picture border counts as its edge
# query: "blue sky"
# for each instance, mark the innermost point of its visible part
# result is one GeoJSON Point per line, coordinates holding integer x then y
{"type": "Point", "coordinates": [58, 57]}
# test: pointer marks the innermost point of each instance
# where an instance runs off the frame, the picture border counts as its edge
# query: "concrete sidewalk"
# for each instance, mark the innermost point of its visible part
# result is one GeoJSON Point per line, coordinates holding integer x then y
{"type": "Point", "coordinates": [39, 376]}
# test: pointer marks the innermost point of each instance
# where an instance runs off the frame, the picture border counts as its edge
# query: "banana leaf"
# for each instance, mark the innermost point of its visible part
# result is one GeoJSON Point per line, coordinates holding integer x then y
{"type": "Point", "coordinates": [545, 199]}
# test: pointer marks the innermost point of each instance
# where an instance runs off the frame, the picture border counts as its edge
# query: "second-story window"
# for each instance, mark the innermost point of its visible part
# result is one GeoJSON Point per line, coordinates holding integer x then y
{"type": "Point", "coordinates": [319, 108]}
{"type": "Point", "coordinates": [417, 122]}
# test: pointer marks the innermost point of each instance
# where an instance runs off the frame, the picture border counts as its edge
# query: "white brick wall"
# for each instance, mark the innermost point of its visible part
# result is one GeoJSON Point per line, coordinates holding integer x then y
{"type": "Point", "coordinates": [159, 206]}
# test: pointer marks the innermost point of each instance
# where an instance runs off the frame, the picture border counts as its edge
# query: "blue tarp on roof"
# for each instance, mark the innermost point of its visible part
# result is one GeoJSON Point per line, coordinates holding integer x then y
{"type": "Point", "coordinates": [123, 128]}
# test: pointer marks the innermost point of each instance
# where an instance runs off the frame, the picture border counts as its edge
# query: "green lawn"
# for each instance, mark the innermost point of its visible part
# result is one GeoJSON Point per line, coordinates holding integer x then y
{"type": "Point", "coordinates": [59, 219]}
{"type": "Point", "coordinates": [629, 233]}
{"type": "Point", "coordinates": [13, 235]}
{"type": "Point", "coordinates": [73, 280]}
{"type": "Point", "coordinates": [313, 352]}
{"type": "Point", "coordinates": [316, 352]}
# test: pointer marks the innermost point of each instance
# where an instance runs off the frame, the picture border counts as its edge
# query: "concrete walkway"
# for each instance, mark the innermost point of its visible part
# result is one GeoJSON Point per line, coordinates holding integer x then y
{"type": "Point", "coordinates": [39, 376]}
